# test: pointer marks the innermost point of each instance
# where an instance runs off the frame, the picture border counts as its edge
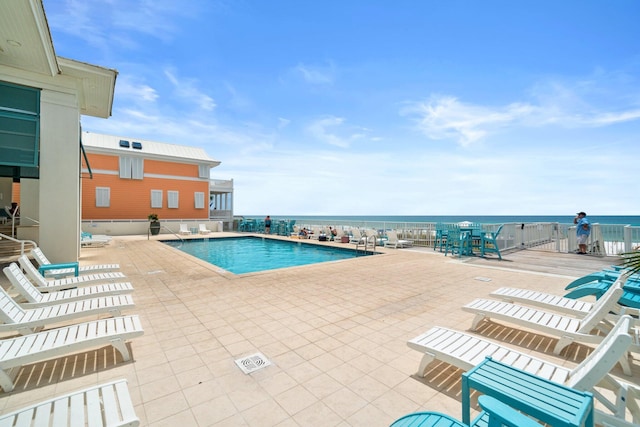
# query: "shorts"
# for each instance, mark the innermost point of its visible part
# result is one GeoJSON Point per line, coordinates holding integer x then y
{"type": "Point", "coordinates": [582, 239]}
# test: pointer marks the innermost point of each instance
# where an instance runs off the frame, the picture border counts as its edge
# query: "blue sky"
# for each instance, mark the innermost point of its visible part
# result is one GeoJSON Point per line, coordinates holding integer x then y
{"type": "Point", "coordinates": [354, 107]}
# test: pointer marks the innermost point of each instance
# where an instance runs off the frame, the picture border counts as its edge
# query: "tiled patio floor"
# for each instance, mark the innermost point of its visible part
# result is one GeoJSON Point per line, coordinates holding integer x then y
{"type": "Point", "coordinates": [335, 334]}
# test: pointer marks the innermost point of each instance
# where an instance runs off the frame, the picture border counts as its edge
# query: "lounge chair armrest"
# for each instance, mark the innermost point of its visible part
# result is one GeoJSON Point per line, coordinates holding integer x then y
{"type": "Point", "coordinates": [46, 267]}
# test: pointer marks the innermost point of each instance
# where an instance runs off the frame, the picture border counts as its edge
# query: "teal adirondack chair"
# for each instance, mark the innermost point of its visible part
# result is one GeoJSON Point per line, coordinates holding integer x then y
{"type": "Point", "coordinates": [488, 243]}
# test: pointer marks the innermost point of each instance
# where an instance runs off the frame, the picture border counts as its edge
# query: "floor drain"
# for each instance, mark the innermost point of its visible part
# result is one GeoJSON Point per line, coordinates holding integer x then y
{"type": "Point", "coordinates": [483, 279]}
{"type": "Point", "coordinates": [252, 363]}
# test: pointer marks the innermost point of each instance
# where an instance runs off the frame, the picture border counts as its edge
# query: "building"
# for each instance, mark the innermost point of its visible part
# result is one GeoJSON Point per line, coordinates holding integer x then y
{"type": "Point", "coordinates": [125, 179]}
{"type": "Point", "coordinates": [42, 97]}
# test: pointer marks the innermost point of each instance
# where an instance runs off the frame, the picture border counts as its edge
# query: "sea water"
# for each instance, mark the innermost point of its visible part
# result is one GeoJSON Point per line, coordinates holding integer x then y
{"type": "Point", "coordinates": [483, 219]}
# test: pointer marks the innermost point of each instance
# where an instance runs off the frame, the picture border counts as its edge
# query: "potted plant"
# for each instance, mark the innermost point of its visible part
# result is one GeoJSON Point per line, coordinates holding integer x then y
{"type": "Point", "coordinates": [154, 226]}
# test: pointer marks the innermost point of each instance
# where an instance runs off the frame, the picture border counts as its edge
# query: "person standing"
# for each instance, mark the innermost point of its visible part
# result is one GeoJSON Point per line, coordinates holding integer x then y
{"type": "Point", "coordinates": [267, 225]}
{"type": "Point", "coordinates": [583, 230]}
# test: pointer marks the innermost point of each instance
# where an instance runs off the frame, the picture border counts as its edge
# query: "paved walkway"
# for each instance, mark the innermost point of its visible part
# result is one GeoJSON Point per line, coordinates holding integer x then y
{"type": "Point", "coordinates": [335, 334]}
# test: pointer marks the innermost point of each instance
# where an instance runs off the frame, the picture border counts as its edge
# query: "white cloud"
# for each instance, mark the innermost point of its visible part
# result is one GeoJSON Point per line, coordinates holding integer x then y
{"type": "Point", "coordinates": [445, 117]}
{"type": "Point", "coordinates": [127, 88]}
{"type": "Point", "coordinates": [327, 129]}
{"type": "Point", "coordinates": [317, 75]}
{"type": "Point", "coordinates": [283, 123]}
{"type": "Point", "coordinates": [187, 90]}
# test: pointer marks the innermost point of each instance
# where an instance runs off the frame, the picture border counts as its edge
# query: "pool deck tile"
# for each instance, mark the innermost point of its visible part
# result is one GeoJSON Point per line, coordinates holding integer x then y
{"type": "Point", "coordinates": [335, 334]}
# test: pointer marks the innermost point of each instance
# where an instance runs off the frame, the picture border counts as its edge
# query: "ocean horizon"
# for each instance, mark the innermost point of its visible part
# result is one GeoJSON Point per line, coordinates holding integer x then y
{"type": "Point", "coordinates": [633, 220]}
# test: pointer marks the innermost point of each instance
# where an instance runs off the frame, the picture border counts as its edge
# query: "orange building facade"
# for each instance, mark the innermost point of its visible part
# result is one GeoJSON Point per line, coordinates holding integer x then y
{"type": "Point", "coordinates": [128, 179]}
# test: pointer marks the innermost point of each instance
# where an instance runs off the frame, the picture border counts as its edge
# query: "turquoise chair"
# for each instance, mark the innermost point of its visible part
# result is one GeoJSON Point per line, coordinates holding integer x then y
{"type": "Point", "coordinates": [494, 414]}
{"type": "Point", "coordinates": [441, 237]}
{"type": "Point", "coordinates": [458, 242]}
{"type": "Point", "coordinates": [488, 243]}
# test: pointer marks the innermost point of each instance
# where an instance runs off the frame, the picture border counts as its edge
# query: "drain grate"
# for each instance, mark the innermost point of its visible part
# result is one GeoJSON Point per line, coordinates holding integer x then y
{"type": "Point", "coordinates": [252, 363]}
{"type": "Point", "coordinates": [483, 279]}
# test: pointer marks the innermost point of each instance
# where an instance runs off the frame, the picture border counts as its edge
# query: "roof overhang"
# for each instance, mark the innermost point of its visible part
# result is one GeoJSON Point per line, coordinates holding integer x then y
{"type": "Point", "coordinates": [96, 86]}
{"type": "Point", "coordinates": [26, 46]}
{"type": "Point", "coordinates": [25, 40]}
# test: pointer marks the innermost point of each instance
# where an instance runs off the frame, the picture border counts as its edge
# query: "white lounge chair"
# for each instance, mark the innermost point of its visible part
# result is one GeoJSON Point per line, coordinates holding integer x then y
{"type": "Point", "coordinates": [94, 240]}
{"type": "Point", "coordinates": [393, 241]}
{"type": "Point", "coordinates": [35, 298]}
{"type": "Point", "coordinates": [29, 320]}
{"type": "Point", "coordinates": [47, 285]}
{"type": "Point", "coordinates": [41, 259]}
{"type": "Point", "coordinates": [107, 405]}
{"type": "Point", "coordinates": [21, 350]}
{"type": "Point", "coordinates": [356, 236]}
{"type": "Point", "coordinates": [184, 229]}
{"type": "Point", "coordinates": [574, 307]}
{"type": "Point", "coordinates": [202, 229]}
{"type": "Point", "coordinates": [567, 328]}
{"type": "Point", "coordinates": [465, 351]}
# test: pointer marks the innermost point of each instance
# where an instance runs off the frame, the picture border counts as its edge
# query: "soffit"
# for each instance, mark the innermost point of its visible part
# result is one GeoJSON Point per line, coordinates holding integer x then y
{"type": "Point", "coordinates": [25, 40]}
{"type": "Point", "coordinates": [26, 44]}
{"type": "Point", "coordinates": [95, 86]}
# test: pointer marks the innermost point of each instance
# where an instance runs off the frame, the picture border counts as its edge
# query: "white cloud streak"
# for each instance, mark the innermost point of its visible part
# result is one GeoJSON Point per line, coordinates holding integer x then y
{"type": "Point", "coordinates": [187, 90]}
{"type": "Point", "coordinates": [444, 117]}
{"type": "Point", "coordinates": [316, 75]}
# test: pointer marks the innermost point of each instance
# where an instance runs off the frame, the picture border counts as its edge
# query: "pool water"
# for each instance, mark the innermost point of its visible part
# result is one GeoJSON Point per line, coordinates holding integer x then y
{"type": "Point", "coordinates": [250, 254]}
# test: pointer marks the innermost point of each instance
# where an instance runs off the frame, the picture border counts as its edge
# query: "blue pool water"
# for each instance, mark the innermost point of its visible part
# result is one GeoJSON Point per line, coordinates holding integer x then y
{"type": "Point", "coordinates": [250, 254]}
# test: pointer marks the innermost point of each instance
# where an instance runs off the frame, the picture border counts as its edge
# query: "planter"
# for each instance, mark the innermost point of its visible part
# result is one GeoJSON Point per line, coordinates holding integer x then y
{"type": "Point", "coordinates": [154, 228]}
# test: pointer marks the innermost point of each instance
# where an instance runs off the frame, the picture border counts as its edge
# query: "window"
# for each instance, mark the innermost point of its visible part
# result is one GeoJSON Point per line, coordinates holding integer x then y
{"type": "Point", "coordinates": [131, 167]}
{"type": "Point", "coordinates": [172, 199]}
{"type": "Point", "coordinates": [203, 171]}
{"type": "Point", "coordinates": [156, 199]}
{"type": "Point", "coordinates": [103, 197]}
{"type": "Point", "coordinates": [199, 200]}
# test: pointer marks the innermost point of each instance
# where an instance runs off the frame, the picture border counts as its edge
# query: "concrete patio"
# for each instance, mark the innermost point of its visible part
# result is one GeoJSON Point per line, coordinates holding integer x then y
{"type": "Point", "coordinates": [335, 334]}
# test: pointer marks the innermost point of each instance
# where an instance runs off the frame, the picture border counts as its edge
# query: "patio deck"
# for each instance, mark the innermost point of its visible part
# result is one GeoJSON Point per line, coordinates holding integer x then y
{"type": "Point", "coordinates": [335, 334]}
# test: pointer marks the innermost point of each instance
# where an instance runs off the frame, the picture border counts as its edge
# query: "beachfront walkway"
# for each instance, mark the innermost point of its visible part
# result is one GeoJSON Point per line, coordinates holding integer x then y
{"type": "Point", "coordinates": [335, 334]}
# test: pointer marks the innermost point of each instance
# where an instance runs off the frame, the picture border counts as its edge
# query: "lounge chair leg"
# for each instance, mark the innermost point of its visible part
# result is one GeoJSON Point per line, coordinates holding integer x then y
{"type": "Point", "coordinates": [624, 363]}
{"type": "Point", "coordinates": [476, 321]}
{"type": "Point", "coordinates": [426, 359]}
{"type": "Point", "coordinates": [561, 344]}
{"type": "Point", "coordinates": [121, 346]}
{"type": "Point", "coordinates": [5, 381]}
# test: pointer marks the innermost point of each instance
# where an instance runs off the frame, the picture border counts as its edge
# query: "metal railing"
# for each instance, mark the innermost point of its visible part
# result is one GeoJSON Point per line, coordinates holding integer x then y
{"type": "Point", "coordinates": [21, 242]}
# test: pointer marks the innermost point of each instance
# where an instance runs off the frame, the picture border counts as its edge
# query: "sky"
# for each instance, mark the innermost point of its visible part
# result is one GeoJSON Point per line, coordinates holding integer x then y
{"type": "Point", "coordinates": [376, 107]}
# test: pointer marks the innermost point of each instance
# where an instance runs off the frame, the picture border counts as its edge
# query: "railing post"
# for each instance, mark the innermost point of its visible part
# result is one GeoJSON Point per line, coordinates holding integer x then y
{"type": "Point", "coordinates": [628, 244]}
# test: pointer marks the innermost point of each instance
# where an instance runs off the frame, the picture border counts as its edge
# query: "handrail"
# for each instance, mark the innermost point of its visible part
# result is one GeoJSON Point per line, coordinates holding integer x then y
{"type": "Point", "coordinates": [166, 228]}
{"type": "Point", "coordinates": [22, 242]}
{"type": "Point", "coordinates": [366, 242]}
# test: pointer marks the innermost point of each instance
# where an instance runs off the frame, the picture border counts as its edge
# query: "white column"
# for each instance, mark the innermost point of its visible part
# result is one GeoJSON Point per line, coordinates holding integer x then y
{"type": "Point", "coordinates": [59, 195]}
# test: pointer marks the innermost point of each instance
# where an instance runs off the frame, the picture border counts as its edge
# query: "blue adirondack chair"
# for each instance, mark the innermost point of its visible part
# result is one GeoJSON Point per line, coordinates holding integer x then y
{"type": "Point", "coordinates": [488, 243]}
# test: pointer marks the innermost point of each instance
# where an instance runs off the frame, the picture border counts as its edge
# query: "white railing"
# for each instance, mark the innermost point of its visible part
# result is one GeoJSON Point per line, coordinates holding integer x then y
{"type": "Point", "coordinates": [22, 242]}
{"type": "Point", "coordinates": [605, 239]}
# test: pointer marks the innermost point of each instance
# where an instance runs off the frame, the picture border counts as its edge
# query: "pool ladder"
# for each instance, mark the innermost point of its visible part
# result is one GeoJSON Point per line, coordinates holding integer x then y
{"type": "Point", "coordinates": [367, 243]}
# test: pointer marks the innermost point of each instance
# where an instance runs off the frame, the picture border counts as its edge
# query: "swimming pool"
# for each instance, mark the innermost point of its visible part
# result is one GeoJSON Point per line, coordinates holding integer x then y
{"type": "Point", "coordinates": [250, 254]}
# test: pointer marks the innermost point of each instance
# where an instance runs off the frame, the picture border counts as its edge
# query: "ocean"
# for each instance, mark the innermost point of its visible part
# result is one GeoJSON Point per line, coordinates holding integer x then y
{"type": "Point", "coordinates": [483, 219]}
